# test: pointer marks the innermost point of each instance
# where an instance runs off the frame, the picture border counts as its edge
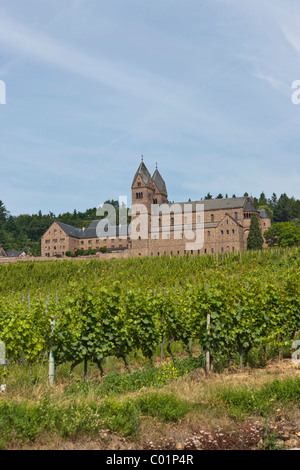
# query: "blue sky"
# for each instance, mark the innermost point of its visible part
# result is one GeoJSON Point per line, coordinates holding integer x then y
{"type": "Point", "coordinates": [203, 88]}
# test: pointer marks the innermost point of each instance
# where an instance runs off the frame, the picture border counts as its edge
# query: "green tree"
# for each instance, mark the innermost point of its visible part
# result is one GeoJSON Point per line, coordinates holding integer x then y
{"type": "Point", "coordinates": [283, 211]}
{"type": "Point", "coordinates": [255, 239]}
{"type": "Point", "coordinates": [273, 201]}
{"type": "Point", "coordinates": [3, 213]}
{"type": "Point", "coordinates": [283, 234]}
{"type": "Point", "coordinates": [262, 199]}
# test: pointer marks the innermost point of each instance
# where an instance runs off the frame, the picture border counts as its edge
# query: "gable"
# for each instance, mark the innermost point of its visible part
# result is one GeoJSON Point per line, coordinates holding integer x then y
{"type": "Point", "coordinates": [231, 220]}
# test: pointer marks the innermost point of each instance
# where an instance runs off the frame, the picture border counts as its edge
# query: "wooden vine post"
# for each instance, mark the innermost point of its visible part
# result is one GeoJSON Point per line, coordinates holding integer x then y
{"type": "Point", "coordinates": [207, 354]}
{"type": "Point", "coordinates": [241, 349]}
{"type": "Point", "coordinates": [2, 362]}
{"type": "Point", "coordinates": [207, 350]}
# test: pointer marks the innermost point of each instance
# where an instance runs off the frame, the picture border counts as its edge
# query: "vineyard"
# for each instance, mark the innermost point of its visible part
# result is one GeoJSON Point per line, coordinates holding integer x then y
{"type": "Point", "coordinates": [87, 311]}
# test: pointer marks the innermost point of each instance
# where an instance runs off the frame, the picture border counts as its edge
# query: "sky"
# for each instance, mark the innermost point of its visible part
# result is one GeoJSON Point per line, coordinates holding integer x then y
{"type": "Point", "coordinates": [202, 88]}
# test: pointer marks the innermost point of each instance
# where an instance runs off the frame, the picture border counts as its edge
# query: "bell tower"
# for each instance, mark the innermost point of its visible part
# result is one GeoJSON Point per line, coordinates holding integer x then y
{"type": "Point", "coordinates": [145, 191]}
{"type": "Point", "coordinates": [160, 189]}
{"type": "Point", "coordinates": [142, 188]}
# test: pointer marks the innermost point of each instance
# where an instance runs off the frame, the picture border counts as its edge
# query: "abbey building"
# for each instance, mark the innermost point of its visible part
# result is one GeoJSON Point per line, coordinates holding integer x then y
{"type": "Point", "coordinates": [159, 227]}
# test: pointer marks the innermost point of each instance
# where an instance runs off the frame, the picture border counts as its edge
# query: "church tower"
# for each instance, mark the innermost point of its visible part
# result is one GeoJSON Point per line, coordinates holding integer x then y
{"type": "Point", "coordinates": [160, 189]}
{"type": "Point", "coordinates": [142, 190]}
{"type": "Point", "coordinates": [146, 190]}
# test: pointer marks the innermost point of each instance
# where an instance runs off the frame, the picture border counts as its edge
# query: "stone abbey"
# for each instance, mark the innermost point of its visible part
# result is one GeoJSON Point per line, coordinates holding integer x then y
{"type": "Point", "coordinates": [159, 227]}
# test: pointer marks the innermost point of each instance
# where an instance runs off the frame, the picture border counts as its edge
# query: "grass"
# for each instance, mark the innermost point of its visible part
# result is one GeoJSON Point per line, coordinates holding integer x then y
{"type": "Point", "coordinates": [117, 382]}
{"type": "Point", "coordinates": [148, 402]}
{"type": "Point", "coordinates": [261, 401]}
{"type": "Point", "coordinates": [25, 421]}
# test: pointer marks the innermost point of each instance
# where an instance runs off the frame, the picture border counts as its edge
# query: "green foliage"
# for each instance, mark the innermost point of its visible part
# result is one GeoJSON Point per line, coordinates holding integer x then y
{"type": "Point", "coordinates": [100, 309]}
{"type": "Point", "coordinates": [255, 239]}
{"type": "Point", "coordinates": [270, 438]}
{"type": "Point", "coordinates": [25, 421]}
{"type": "Point", "coordinates": [117, 382]}
{"type": "Point", "coordinates": [247, 400]}
{"type": "Point", "coordinates": [283, 234]}
{"type": "Point", "coordinates": [163, 406]}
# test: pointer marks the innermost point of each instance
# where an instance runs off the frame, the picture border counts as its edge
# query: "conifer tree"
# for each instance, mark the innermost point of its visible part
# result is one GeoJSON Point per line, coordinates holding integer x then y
{"type": "Point", "coordinates": [255, 239]}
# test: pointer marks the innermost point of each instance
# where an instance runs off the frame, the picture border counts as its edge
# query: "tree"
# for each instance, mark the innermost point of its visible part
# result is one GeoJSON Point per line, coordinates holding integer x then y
{"type": "Point", "coordinates": [255, 239]}
{"type": "Point", "coordinates": [283, 211]}
{"type": "Point", "coordinates": [208, 196]}
{"type": "Point", "coordinates": [262, 199]}
{"type": "Point", "coordinates": [112, 202]}
{"type": "Point", "coordinates": [273, 201]}
{"type": "Point", "coordinates": [3, 213]}
{"type": "Point", "coordinates": [283, 234]}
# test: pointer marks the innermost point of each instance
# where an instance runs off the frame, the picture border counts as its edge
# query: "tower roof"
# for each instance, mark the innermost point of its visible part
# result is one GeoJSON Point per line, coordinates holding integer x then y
{"type": "Point", "coordinates": [143, 172]}
{"type": "Point", "coordinates": [158, 180]}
